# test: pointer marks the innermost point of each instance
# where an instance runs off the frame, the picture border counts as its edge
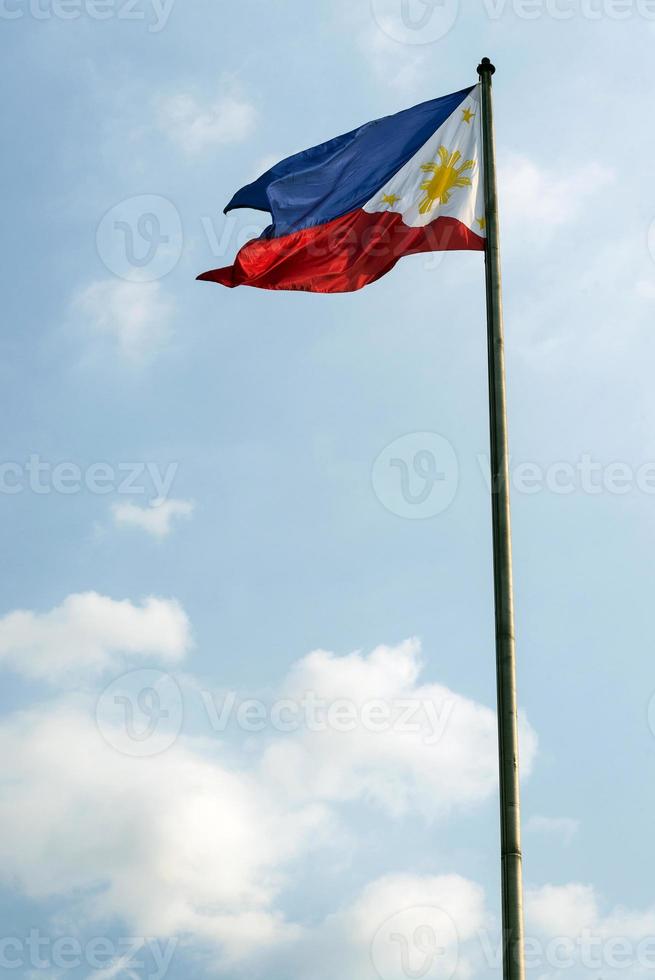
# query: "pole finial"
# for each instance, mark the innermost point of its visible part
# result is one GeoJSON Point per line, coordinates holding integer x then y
{"type": "Point", "coordinates": [485, 65]}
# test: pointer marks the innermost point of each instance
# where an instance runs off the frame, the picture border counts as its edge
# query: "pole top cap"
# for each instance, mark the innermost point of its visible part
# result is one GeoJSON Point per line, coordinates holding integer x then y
{"type": "Point", "coordinates": [485, 65]}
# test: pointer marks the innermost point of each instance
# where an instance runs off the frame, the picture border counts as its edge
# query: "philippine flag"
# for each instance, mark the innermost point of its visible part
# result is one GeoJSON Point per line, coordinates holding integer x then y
{"type": "Point", "coordinates": [344, 212]}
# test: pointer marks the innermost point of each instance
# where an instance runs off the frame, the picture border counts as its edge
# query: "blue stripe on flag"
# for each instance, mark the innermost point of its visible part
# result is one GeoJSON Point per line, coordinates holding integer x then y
{"type": "Point", "coordinates": [334, 178]}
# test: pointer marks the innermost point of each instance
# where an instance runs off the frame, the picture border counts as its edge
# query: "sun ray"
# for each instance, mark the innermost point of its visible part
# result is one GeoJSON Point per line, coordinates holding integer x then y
{"type": "Point", "coordinates": [446, 176]}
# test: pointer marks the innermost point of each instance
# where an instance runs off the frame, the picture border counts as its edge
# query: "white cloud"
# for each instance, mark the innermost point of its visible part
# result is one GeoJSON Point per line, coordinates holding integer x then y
{"type": "Point", "coordinates": [646, 289]}
{"type": "Point", "coordinates": [195, 127]}
{"type": "Point", "coordinates": [199, 845]}
{"type": "Point", "coordinates": [400, 925]}
{"type": "Point", "coordinates": [182, 844]}
{"type": "Point", "coordinates": [562, 910]}
{"type": "Point", "coordinates": [264, 164]}
{"type": "Point", "coordinates": [438, 752]}
{"type": "Point", "coordinates": [87, 634]}
{"type": "Point", "coordinates": [135, 316]}
{"type": "Point", "coordinates": [388, 45]}
{"type": "Point", "coordinates": [555, 330]}
{"type": "Point", "coordinates": [564, 827]}
{"type": "Point", "coordinates": [402, 67]}
{"type": "Point", "coordinates": [398, 905]}
{"type": "Point", "coordinates": [195, 847]}
{"type": "Point", "coordinates": [156, 519]}
{"type": "Point", "coordinates": [608, 944]}
{"type": "Point", "coordinates": [535, 201]}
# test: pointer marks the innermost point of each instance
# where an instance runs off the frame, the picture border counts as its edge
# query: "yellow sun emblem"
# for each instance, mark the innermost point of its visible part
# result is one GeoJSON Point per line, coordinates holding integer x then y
{"type": "Point", "coordinates": [446, 175]}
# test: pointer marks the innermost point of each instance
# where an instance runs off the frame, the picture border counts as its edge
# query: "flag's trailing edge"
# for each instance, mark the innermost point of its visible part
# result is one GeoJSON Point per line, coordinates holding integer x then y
{"type": "Point", "coordinates": [344, 212]}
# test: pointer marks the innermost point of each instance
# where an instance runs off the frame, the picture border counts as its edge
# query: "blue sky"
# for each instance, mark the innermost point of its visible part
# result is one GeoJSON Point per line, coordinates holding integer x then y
{"type": "Point", "coordinates": [241, 848]}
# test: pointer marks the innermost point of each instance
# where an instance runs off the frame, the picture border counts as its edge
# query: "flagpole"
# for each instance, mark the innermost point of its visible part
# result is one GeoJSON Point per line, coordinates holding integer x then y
{"type": "Point", "coordinates": [510, 811]}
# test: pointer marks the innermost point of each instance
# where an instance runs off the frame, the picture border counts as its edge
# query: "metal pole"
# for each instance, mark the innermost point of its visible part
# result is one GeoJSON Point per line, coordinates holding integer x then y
{"type": "Point", "coordinates": [510, 816]}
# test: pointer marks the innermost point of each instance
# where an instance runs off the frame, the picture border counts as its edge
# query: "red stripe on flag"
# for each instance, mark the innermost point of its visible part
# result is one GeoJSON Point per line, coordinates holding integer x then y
{"type": "Point", "coordinates": [342, 255]}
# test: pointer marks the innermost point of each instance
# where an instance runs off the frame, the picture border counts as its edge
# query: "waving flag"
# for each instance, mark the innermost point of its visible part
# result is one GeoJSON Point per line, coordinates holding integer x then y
{"type": "Point", "coordinates": [344, 212]}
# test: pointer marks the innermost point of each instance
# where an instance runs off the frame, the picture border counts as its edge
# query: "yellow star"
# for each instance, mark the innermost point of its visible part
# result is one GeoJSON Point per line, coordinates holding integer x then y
{"type": "Point", "coordinates": [467, 115]}
{"type": "Point", "coordinates": [389, 199]}
{"type": "Point", "coordinates": [482, 222]}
